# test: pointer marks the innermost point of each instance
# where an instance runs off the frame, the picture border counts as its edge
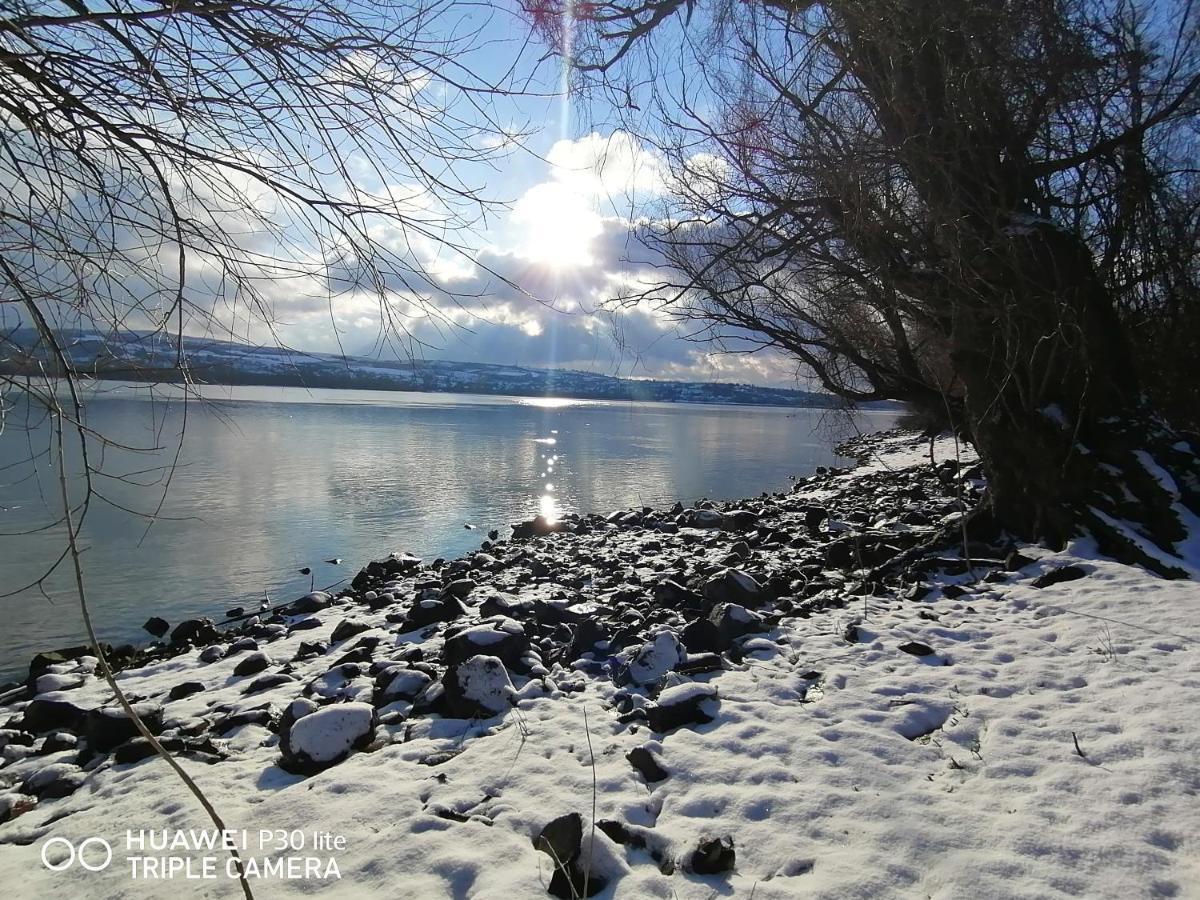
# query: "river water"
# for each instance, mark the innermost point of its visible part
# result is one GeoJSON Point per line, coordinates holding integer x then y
{"type": "Point", "coordinates": [267, 481]}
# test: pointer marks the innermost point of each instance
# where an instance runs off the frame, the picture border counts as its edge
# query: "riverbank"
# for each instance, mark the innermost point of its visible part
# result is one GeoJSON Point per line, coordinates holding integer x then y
{"type": "Point", "coordinates": [811, 693]}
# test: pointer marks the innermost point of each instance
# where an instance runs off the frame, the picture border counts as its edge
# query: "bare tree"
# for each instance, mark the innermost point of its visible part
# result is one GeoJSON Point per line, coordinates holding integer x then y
{"type": "Point", "coordinates": [172, 168]}
{"type": "Point", "coordinates": [974, 207]}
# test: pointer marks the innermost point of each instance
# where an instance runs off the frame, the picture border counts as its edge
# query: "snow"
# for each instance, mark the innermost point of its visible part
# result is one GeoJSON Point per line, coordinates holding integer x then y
{"type": "Point", "coordinates": [839, 769]}
{"type": "Point", "coordinates": [686, 693]}
{"type": "Point", "coordinates": [485, 680]}
{"type": "Point", "coordinates": [328, 733]}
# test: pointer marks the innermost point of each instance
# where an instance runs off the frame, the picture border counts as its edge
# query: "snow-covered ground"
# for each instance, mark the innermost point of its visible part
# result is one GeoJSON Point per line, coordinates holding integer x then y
{"type": "Point", "coordinates": [1049, 746]}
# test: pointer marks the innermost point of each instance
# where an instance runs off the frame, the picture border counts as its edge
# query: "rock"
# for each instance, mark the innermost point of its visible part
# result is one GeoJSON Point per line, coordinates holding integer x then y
{"type": "Point", "coordinates": [185, 689]}
{"type": "Point", "coordinates": [648, 664]}
{"type": "Point", "coordinates": [14, 738]}
{"type": "Point", "coordinates": [460, 588]}
{"type": "Point", "coordinates": [562, 840]}
{"type": "Point", "coordinates": [703, 636]}
{"type": "Point", "coordinates": [711, 857]}
{"type": "Point", "coordinates": [733, 586]}
{"type": "Point", "coordinates": [14, 805]}
{"type": "Point", "coordinates": [50, 712]}
{"type": "Point", "coordinates": [646, 764]}
{"type": "Point", "coordinates": [813, 516]}
{"type": "Point", "coordinates": [402, 684]}
{"type": "Point", "coordinates": [739, 520]}
{"type": "Point", "coordinates": [50, 683]}
{"type": "Point", "coordinates": [327, 736]}
{"type": "Point", "coordinates": [235, 613]}
{"type": "Point", "coordinates": [1059, 575]}
{"type": "Point", "coordinates": [702, 518]}
{"type": "Point", "coordinates": [267, 682]}
{"type": "Point", "coordinates": [346, 629]}
{"type": "Point", "coordinates": [109, 726]}
{"type": "Point", "coordinates": [156, 626]}
{"type": "Point", "coordinates": [242, 645]}
{"type": "Point", "coordinates": [310, 603]}
{"type": "Point", "coordinates": [58, 741]}
{"type": "Point", "coordinates": [264, 716]}
{"type": "Point", "coordinates": [445, 608]}
{"type": "Point", "coordinates": [298, 708]}
{"type": "Point", "coordinates": [42, 661]}
{"type": "Point", "coordinates": [54, 781]}
{"type": "Point", "coordinates": [212, 654]}
{"type": "Point", "coordinates": [539, 526]}
{"type": "Point", "coordinates": [916, 648]}
{"type": "Point", "coordinates": [478, 688]}
{"type": "Point", "coordinates": [674, 595]}
{"type": "Point", "coordinates": [505, 605]}
{"type": "Point", "coordinates": [503, 638]}
{"type": "Point", "coordinates": [682, 705]}
{"type": "Point", "coordinates": [734, 621]}
{"type": "Point", "coordinates": [195, 631]}
{"type": "Point", "coordinates": [138, 748]}
{"type": "Point", "coordinates": [382, 569]}
{"type": "Point", "coordinates": [252, 664]}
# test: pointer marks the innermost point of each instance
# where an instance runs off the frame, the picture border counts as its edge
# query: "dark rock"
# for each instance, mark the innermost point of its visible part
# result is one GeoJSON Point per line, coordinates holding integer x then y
{"type": "Point", "coordinates": [681, 705]}
{"type": "Point", "coordinates": [236, 613]}
{"type": "Point", "coordinates": [109, 726]}
{"type": "Point", "coordinates": [346, 629]}
{"type": "Point", "coordinates": [445, 608]}
{"type": "Point", "coordinates": [643, 760]}
{"type": "Point", "coordinates": [504, 639]}
{"type": "Point", "coordinates": [734, 621]}
{"type": "Point", "coordinates": [310, 603]}
{"type": "Point", "coordinates": [703, 636]}
{"type": "Point", "coordinates": [733, 586]}
{"type": "Point", "coordinates": [267, 682]}
{"type": "Point", "coordinates": [1059, 575]}
{"type": "Point", "coordinates": [195, 631]}
{"type": "Point", "coordinates": [306, 624]}
{"type": "Point", "coordinates": [673, 594]}
{"type": "Point", "coordinates": [265, 716]}
{"type": "Point", "coordinates": [185, 689]}
{"type": "Point", "coordinates": [138, 748]}
{"type": "Point", "coordinates": [460, 588]}
{"type": "Point", "coordinates": [212, 653]}
{"type": "Point", "coordinates": [712, 857]}
{"type": "Point", "coordinates": [42, 661]}
{"type": "Point", "coordinates": [50, 713]}
{"type": "Point", "coordinates": [739, 520]}
{"type": "Point", "coordinates": [1017, 560]}
{"type": "Point", "coordinates": [916, 648]}
{"type": "Point", "coordinates": [252, 664]}
{"type": "Point", "coordinates": [309, 649]}
{"type": "Point", "coordinates": [59, 741]}
{"type": "Point", "coordinates": [700, 663]}
{"type": "Point", "coordinates": [539, 526]}
{"type": "Point", "coordinates": [156, 626]}
{"type": "Point", "coordinates": [562, 841]}
{"type": "Point", "coordinates": [54, 781]}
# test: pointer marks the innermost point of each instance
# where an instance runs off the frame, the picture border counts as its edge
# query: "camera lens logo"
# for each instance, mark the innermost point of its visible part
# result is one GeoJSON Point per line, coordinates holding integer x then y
{"type": "Point", "coordinates": [88, 854]}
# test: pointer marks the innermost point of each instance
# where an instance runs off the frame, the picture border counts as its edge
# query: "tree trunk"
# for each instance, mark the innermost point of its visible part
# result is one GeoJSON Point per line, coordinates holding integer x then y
{"type": "Point", "coordinates": [1054, 409]}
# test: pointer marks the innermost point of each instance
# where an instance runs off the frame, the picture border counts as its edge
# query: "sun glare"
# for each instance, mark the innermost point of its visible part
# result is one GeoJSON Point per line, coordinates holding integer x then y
{"type": "Point", "coordinates": [557, 226]}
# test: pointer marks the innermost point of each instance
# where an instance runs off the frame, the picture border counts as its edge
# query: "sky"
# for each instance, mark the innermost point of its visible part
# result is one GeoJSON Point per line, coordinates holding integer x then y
{"type": "Point", "coordinates": [550, 258]}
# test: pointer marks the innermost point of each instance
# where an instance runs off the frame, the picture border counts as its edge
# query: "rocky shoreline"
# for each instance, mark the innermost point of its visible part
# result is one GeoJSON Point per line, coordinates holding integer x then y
{"type": "Point", "coordinates": [643, 611]}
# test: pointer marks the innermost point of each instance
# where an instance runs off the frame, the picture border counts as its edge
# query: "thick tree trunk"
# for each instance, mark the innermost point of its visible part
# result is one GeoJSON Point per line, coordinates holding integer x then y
{"type": "Point", "coordinates": [1055, 412]}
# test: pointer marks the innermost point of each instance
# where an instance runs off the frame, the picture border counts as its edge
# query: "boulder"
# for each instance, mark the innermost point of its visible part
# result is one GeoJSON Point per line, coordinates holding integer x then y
{"type": "Point", "coordinates": [109, 726]}
{"type": "Point", "coordinates": [156, 626]}
{"type": "Point", "coordinates": [50, 712]}
{"type": "Point", "coordinates": [682, 705]}
{"type": "Point", "coordinates": [185, 689]}
{"type": "Point", "coordinates": [195, 631]}
{"type": "Point", "coordinates": [252, 664]}
{"type": "Point", "coordinates": [502, 637]}
{"type": "Point", "coordinates": [477, 688]}
{"type": "Point", "coordinates": [326, 736]}
{"type": "Point", "coordinates": [733, 586]}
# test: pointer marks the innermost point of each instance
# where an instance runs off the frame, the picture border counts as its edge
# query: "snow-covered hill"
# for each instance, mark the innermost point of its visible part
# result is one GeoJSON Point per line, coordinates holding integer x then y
{"type": "Point", "coordinates": [134, 356]}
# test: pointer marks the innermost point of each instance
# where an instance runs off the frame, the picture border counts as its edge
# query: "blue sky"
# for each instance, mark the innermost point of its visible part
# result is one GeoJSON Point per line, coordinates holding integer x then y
{"type": "Point", "coordinates": [561, 234]}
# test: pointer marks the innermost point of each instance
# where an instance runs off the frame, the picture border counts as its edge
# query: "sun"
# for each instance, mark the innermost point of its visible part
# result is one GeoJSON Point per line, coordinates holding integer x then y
{"type": "Point", "coordinates": [557, 226]}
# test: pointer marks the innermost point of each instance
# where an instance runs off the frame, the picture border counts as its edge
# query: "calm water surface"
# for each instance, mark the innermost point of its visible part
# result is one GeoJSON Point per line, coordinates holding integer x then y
{"type": "Point", "coordinates": [270, 480]}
